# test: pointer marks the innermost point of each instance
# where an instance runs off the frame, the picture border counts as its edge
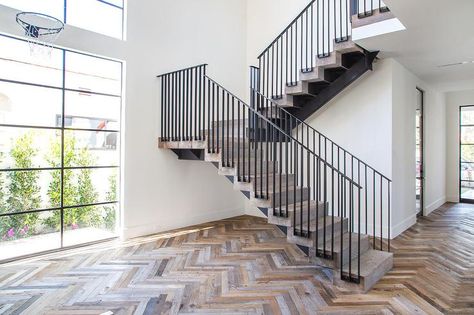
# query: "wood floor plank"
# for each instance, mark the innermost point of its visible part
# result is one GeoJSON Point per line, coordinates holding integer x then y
{"type": "Point", "coordinates": [244, 266]}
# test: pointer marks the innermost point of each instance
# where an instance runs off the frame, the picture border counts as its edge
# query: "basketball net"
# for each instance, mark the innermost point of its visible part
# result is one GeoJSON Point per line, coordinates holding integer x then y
{"type": "Point", "coordinates": [41, 32]}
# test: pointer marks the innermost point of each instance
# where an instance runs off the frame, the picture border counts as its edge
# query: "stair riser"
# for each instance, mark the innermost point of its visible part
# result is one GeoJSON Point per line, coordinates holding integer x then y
{"type": "Point", "coordinates": [251, 186]}
{"type": "Point", "coordinates": [309, 242]}
{"type": "Point", "coordinates": [372, 271]}
{"type": "Point", "coordinates": [336, 262]}
{"type": "Point", "coordinates": [288, 221]}
{"type": "Point", "coordinates": [268, 203]}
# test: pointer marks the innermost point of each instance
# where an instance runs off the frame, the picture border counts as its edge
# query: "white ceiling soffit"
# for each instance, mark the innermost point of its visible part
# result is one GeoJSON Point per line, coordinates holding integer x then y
{"type": "Point", "coordinates": [438, 32]}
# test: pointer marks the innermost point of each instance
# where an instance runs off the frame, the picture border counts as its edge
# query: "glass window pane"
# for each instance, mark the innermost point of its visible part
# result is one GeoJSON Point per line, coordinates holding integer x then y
{"type": "Point", "coordinates": [467, 171]}
{"type": "Point", "coordinates": [89, 224]}
{"type": "Point", "coordinates": [107, 19]}
{"type": "Point", "coordinates": [54, 8]}
{"type": "Point", "coordinates": [26, 234]}
{"type": "Point", "coordinates": [467, 115]}
{"type": "Point", "coordinates": [91, 148]}
{"type": "Point", "coordinates": [467, 153]}
{"type": "Point", "coordinates": [467, 135]}
{"type": "Point", "coordinates": [90, 111]}
{"type": "Point", "coordinates": [29, 148]}
{"type": "Point", "coordinates": [18, 64]}
{"type": "Point", "coordinates": [30, 190]}
{"type": "Point", "coordinates": [87, 73]}
{"type": "Point", "coordinates": [22, 104]}
{"type": "Point", "coordinates": [90, 186]}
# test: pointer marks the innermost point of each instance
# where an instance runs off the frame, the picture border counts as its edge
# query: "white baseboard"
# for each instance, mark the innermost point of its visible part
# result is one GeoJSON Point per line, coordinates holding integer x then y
{"type": "Point", "coordinates": [403, 226]}
{"type": "Point", "coordinates": [153, 228]}
{"type": "Point", "coordinates": [454, 199]}
{"type": "Point", "coordinates": [434, 205]}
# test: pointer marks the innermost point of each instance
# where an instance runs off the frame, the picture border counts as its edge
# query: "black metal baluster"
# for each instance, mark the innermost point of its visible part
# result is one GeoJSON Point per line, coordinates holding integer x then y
{"type": "Point", "coordinates": [162, 108]}
{"type": "Point", "coordinates": [215, 123]}
{"type": "Point", "coordinates": [291, 56]}
{"type": "Point", "coordinates": [175, 107]}
{"type": "Point", "coordinates": [196, 102]}
{"type": "Point", "coordinates": [332, 199]}
{"type": "Point", "coordinates": [312, 38]}
{"type": "Point", "coordinates": [228, 133]}
{"type": "Point", "coordinates": [365, 190]}
{"type": "Point", "coordinates": [325, 196]}
{"type": "Point", "coordinates": [200, 109]}
{"type": "Point", "coordinates": [358, 221]}
{"type": "Point", "coordinates": [233, 128]}
{"type": "Point", "coordinates": [210, 126]}
{"type": "Point", "coordinates": [238, 141]}
{"type": "Point", "coordinates": [373, 207]}
{"type": "Point", "coordinates": [186, 95]}
{"type": "Point", "coordinates": [381, 212]}
{"type": "Point", "coordinates": [223, 151]}
{"type": "Point", "coordinates": [388, 217]}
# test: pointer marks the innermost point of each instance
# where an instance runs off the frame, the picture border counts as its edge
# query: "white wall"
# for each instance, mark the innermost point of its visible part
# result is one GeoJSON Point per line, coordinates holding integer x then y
{"type": "Point", "coordinates": [403, 138]}
{"type": "Point", "coordinates": [158, 191]}
{"type": "Point", "coordinates": [453, 101]}
{"type": "Point", "coordinates": [266, 19]}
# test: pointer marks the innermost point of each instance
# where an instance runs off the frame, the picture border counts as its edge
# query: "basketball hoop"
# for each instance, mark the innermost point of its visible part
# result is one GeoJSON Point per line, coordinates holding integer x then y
{"type": "Point", "coordinates": [41, 31]}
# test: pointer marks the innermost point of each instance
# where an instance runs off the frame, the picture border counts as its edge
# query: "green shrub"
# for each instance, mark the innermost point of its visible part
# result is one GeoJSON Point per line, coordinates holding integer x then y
{"type": "Point", "coordinates": [24, 192]}
{"type": "Point", "coordinates": [110, 211]}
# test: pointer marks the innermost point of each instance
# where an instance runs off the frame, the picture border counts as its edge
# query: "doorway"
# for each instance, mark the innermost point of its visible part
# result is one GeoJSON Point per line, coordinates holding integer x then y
{"type": "Point", "coordinates": [419, 152]}
{"type": "Point", "coordinates": [466, 154]}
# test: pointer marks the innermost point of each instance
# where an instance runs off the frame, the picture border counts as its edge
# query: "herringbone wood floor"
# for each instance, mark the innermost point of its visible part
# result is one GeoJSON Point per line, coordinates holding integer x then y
{"type": "Point", "coordinates": [244, 266]}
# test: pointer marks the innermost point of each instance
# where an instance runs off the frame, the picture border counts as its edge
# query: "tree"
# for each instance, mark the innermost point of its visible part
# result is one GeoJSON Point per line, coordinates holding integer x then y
{"type": "Point", "coordinates": [86, 194]}
{"type": "Point", "coordinates": [78, 187]}
{"type": "Point", "coordinates": [54, 190]}
{"type": "Point", "coordinates": [24, 192]}
{"type": "Point", "coordinates": [110, 211]}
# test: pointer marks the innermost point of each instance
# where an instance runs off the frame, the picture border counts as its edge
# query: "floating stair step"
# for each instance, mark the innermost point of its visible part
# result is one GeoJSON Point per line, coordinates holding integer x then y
{"type": "Point", "coordinates": [335, 262]}
{"type": "Point", "coordinates": [285, 101]}
{"type": "Point", "coordinates": [302, 87]}
{"type": "Point", "coordinates": [313, 76]}
{"type": "Point", "coordinates": [281, 216]}
{"type": "Point", "coordinates": [301, 194]}
{"type": "Point", "coordinates": [295, 236]}
{"type": "Point", "coordinates": [334, 60]}
{"type": "Point", "coordinates": [374, 264]}
{"type": "Point", "coordinates": [264, 169]}
{"type": "Point", "coordinates": [250, 186]}
{"type": "Point", "coordinates": [347, 46]}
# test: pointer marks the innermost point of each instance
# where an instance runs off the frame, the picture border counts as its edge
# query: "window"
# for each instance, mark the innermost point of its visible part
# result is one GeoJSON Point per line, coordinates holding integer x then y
{"type": "Point", "coordinates": [59, 149]}
{"type": "Point", "coordinates": [107, 17]}
{"type": "Point", "coordinates": [466, 156]}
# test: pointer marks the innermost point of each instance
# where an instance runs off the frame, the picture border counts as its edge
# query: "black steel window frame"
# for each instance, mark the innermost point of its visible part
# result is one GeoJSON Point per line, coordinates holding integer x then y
{"type": "Point", "coordinates": [463, 200]}
{"type": "Point", "coordinates": [62, 129]}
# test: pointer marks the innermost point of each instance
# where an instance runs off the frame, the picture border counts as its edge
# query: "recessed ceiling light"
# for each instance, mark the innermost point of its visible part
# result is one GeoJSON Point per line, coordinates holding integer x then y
{"type": "Point", "coordinates": [456, 64]}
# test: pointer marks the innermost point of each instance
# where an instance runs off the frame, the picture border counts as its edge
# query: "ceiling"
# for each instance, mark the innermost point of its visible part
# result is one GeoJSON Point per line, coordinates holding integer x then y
{"type": "Point", "coordinates": [438, 32]}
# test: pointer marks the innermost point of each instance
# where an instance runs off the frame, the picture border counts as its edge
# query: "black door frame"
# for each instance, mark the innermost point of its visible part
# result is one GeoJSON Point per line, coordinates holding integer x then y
{"type": "Point", "coordinates": [462, 200]}
{"type": "Point", "coordinates": [422, 155]}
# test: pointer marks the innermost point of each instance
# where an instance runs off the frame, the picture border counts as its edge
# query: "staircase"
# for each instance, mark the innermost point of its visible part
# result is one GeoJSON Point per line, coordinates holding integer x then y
{"type": "Point", "coordinates": [334, 206]}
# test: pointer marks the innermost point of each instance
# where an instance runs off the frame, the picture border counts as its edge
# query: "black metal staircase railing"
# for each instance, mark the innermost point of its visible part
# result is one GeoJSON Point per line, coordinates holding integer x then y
{"type": "Point", "coordinates": [366, 8]}
{"type": "Point", "coordinates": [312, 33]}
{"type": "Point", "coordinates": [286, 175]}
{"type": "Point", "coordinates": [375, 199]}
